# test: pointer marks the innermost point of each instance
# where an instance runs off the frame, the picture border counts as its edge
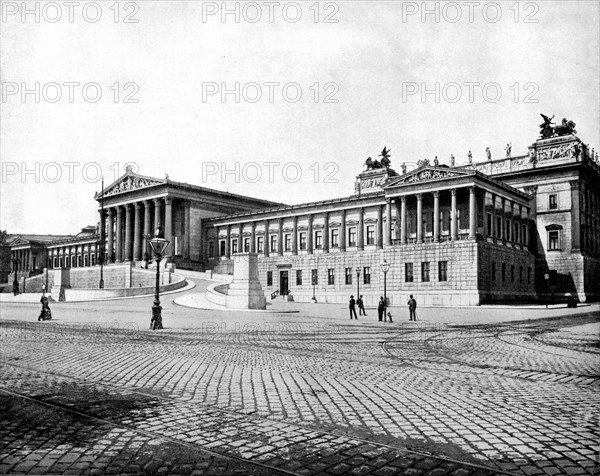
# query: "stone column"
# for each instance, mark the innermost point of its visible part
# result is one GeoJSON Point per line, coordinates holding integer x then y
{"type": "Point", "coordinates": [295, 235]}
{"type": "Point", "coordinates": [472, 214]}
{"type": "Point", "coordinates": [453, 217]}
{"type": "Point", "coordinates": [228, 243]}
{"type": "Point", "coordinates": [170, 251]}
{"type": "Point", "coordinates": [494, 230]}
{"type": "Point", "coordinates": [253, 238]}
{"type": "Point", "coordinates": [119, 235]}
{"type": "Point", "coordinates": [310, 235]}
{"type": "Point", "coordinates": [398, 226]}
{"type": "Point", "coordinates": [128, 230]}
{"type": "Point", "coordinates": [280, 237]}
{"type": "Point", "coordinates": [436, 216]}
{"type": "Point", "coordinates": [109, 235]}
{"type": "Point", "coordinates": [360, 235]}
{"type": "Point", "coordinates": [137, 236]}
{"type": "Point", "coordinates": [343, 231]}
{"type": "Point", "coordinates": [575, 216]}
{"type": "Point", "coordinates": [403, 224]}
{"type": "Point", "coordinates": [326, 233]}
{"type": "Point", "coordinates": [147, 230]}
{"type": "Point", "coordinates": [419, 218]}
{"type": "Point", "coordinates": [388, 222]}
{"type": "Point", "coordinates": [157, 215]}
{"type": "Point", "coordinates": [267, 243]}
{"type": "Point", "coordinates": [187, 231]}
{"type": "Point", "coordinates": [379, 238]}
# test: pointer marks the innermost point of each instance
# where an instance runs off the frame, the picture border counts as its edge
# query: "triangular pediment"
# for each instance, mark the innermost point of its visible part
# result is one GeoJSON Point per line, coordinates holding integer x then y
{"type": "Point", "coordinates": [130, 182]}
{"type": "Point", "coordinates": [426, 174]}
{"type": "Point", "coordinates": [19, 241]}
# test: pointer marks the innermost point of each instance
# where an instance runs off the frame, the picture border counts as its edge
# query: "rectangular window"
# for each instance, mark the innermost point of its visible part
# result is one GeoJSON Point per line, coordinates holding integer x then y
{"type": "Point", "coordinates": [315, 277]}
{"type": "Point", "coordinates": [318, 240]}
{"type": "Point", "coordinates": [553, 240]}
{"type": "Point", "coordinates": [503, 272]}
{"type": "Point", "coordinates": [273, 243]}
{"type": "Point", "coordinates": [222, 247]}
{"type": "Point", "coordinates": [367, 275]}
{"type": "Point", "coordinates": [528, 275]}
{"type": "Point", "coordinates": [352, 236]}
{"type": "Point", "coordinates": [370, 235]}
{"type": "Point", "coordinates": [490, 232]}
{"type": "Point", "coordinates": [425, 271]}
{"type": "Point", "coordinates": [302, 240]}
{"type": "Point", "coordinates": [493, 272]}
{"type": "Point", "coordinates": [269, 278]}
{"type": "Point", "coordinates": [408, 272]}
{"type": "Point", "coordinates": [330, 276]}
{"type": "Point", "coordinates": [516, 235]}
{"type": "Point", "coordinates": [335, 238]}
{"type": "Point", "coordinates": [211, 249]}
{"type": "Point", "coordinates": [246, 245]}
{"type": "Point", "coordinates": [234, 246]}
{"type": "Point", "coordinates": [552, 202]}
{"type": "Point", "coordinates": [443, 270]}
{"type": "Point", "coordinates": [520, 274]}
{"type": "Point", "coordinates": [499, 227]}
{"type": "Point", "coordinates": [288, 242]}
{"type": "Point", "coordinates": [260, 244]}
{"type": "Point", "coordinates": [512, 273]}
{"type": "Point", "coordinates": [348, 272]}
{"type": "Point", "coordinates": [298, 277]}
{"type": "Point", "coordinates": [508, 228]}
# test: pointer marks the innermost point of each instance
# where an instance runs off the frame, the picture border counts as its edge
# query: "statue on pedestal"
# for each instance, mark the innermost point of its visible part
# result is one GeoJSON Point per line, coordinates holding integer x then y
{"type": "Point", "coordinates": [436, 162]}
{"type": "Point", "coordinates": [488, 152]}
{"type": "Point", "coordinates": [385, 157]}
{"type": "Point", "coordinates": [403, 168]}
{"type": "Point", "coordinates": [470, 157]}
{"type": "Point", "coordinates": [452, 160]}
{"type": "Point", "coordinates": [508, 150]}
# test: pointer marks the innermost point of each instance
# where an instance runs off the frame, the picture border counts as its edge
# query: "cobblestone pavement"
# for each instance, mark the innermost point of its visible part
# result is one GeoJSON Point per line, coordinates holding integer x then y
{"type": "Point", "coordinates": [297, 398]}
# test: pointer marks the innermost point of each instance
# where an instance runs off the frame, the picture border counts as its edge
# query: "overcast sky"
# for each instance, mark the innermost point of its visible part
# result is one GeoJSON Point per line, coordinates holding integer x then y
{"type": "Point", "coordinates": [360, 68]}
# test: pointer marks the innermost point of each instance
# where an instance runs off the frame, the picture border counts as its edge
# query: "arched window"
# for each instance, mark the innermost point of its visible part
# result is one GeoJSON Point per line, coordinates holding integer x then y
{"type": "Point", "coordinates": [554, 237]}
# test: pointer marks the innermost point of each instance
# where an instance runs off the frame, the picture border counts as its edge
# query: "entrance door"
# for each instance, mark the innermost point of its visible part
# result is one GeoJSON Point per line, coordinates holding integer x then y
{"type": "Point", "coordinates": [284, 281]}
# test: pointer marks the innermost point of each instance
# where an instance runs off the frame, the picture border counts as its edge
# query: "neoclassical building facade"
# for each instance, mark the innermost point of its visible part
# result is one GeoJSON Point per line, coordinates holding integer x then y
{"type": "Point", "coordinates": [506, 230]}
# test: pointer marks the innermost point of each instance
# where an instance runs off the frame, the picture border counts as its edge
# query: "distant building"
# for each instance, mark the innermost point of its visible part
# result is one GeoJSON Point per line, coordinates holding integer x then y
{"type": "Point", "coordinates": [506, 230]}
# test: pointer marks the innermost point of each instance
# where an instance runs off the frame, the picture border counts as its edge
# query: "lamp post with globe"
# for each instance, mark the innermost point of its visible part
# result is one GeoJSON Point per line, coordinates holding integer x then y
{"type": "Point", "coordinates": [158, 244]}
{"type": "Point", "coordinates": [385, 267]}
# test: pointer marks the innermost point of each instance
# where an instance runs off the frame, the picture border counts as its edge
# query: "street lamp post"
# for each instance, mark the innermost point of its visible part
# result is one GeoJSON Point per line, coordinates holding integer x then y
{"type": "Point", "coordinates": [101, 246]}
{"type": "Point", "coordinates": [357, 282]}
{"type": "Point", "coordinates": [158, 245]}
{"type": "Point", "coordinates": [15, 262]}
{"type": "Point", "coordinates": [385, 267]}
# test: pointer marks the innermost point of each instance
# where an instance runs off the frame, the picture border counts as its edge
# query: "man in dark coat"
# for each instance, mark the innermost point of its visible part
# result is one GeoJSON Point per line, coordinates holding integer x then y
{"type": "Point", "coordinates": [412, 308]}
{"type": "Point", "coordinates": [352, 305]}
{"type": "Point", "coordinates": [381, 308]}
{"type": "Point", "coordinates": [361, 306]}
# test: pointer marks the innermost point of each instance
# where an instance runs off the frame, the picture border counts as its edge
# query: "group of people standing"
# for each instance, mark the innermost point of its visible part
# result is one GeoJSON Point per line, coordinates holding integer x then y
{"type": "Point", "coordinates": [381, 308]}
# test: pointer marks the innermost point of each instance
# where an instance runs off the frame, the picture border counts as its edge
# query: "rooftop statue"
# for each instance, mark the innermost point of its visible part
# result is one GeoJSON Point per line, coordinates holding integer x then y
{"type": "Point", "coordinates": [376, 164]}
{"type": "Point", "coordinates": [548, 129]}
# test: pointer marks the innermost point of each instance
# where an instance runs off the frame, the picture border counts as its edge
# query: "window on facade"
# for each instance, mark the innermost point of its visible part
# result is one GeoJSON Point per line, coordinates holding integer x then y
{"type": "Point", "coordinates": [528, 275]}
{"type": "Point", "coordinates": [508, 229]}
{"type": "Point", "coordinates": [489, 224]}
{"type": "Point", "coordinates": [425, 271]}
{"type": "Point", "coordinates": [318, 240]}
{"type": "Point", "coordinates": [287, 240]}
{"type": "Point", "coordinates": [512, 273]}
{"type": "Point", "coordinates": [269, 278]}
{"type": "Point", "coordinates": [524, 234]}
{"type": "Point", "coordinates": [499, 233]}
{"type": "Point", "coordinates": [352, 236]}
{"type": "Point", "coordinates": [367, 275]}
{"type": "Point", "coordinates": [273, 243]}
{"type": "Point", "coordinates": [520, 274]}
{"type": "Point", "coordinates": [315, 277]}
{"type": "Point", "coordinates": [335, 238]}
{"type": "Point", "coordinates": [503, 272]}
{"type": "Point", "coordinates": [93, 260]}
{"type": "Point", "coordinates": [516, 233]}
{"type": "Point", "coordinates": [86, 261]}
{"type": "Point", "coordinates": [222, 248]}
{"type": "Point", "coordinates": [408, 272]}
{"type": "Point", "coordinates": [303, 240]}
{"type": "Point", "coordinates": [348, 273]}
{"type": "Point", "coordinates": [552, 201]}
{"type": "Point", "coordinates": [246, 245]}
{"type": "Point", "coordinates": [553, 240]}
{"type": "Point", "coordinates": [330, 276]}
{"type": "Point", "coordinates": [493, 272]}
{"type": "Point", "coordinates": [370, 235]}
{"type": "Point", "coordinates": [443, 270]}
{"type": "Point", "coordinates": [260, 244]}
{"type": "Point", "coordinates": [234, 246]}
{"type": "Point", "coordinates": [211, 249]}
{"type": "Point", "coordinates": [298, 277]}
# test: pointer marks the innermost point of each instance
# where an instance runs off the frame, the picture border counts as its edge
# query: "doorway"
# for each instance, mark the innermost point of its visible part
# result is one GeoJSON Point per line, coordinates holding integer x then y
{"type": "Point", "coordinates": [284, 282]}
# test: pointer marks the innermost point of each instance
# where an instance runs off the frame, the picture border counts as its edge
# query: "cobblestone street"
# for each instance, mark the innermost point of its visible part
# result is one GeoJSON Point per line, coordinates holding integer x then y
{"type": "Point", "coordinates": [295, 394]}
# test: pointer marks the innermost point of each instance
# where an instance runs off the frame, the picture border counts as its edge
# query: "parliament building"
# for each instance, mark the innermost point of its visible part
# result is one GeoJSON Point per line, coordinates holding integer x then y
{"type": "Point", "coordinates": [516, 229]}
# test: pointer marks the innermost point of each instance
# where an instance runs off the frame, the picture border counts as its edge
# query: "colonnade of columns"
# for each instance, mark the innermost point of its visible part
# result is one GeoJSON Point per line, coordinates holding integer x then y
{"type": "Point", "coordinates": [25, 260]}
{"type": "Point", "coordinates": [127, 227]}
{"type": "Point", "coordinates": [73, 255]}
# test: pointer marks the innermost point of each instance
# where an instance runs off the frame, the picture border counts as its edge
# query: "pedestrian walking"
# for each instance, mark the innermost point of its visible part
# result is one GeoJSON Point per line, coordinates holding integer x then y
{"type": "Point", "coordinates": [412, 308]}
{"type": "Point", "coordinates": [352, 305]}
{"type": "Point", "coordinates": [45, 314]}
{"type": "Point", "coordinates": [381, 308]}
{"type": "Point", "coordinates": [361, 306]}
